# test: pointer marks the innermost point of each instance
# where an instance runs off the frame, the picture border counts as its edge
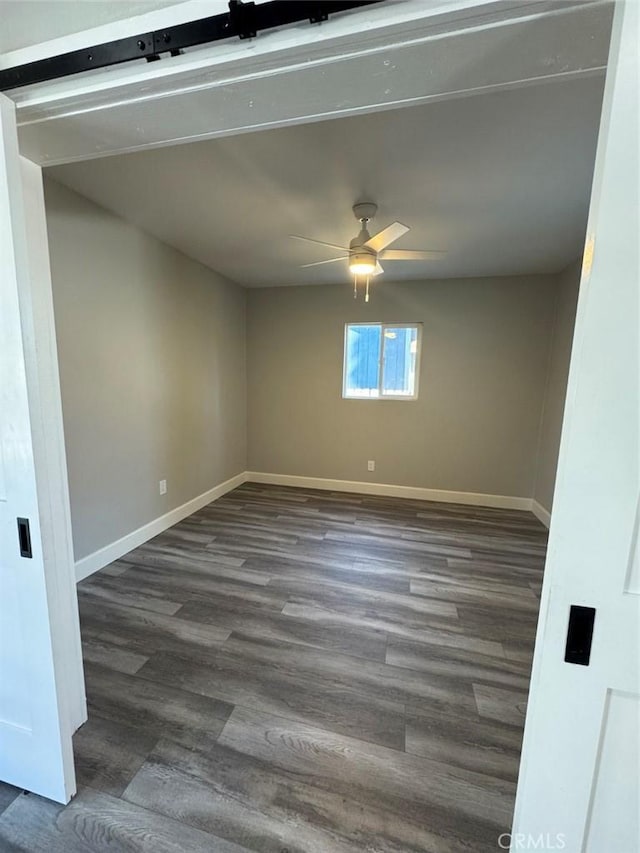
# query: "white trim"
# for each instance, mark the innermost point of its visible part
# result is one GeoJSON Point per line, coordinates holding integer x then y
{"type": "Point", "coordinates": [390, 490]}
{"type": "Point", "coordinates": [91, 563]}
{"type": "Point", "coordinates": [50, 452]}
{"type": "Point", "coordinates": [540, 512]}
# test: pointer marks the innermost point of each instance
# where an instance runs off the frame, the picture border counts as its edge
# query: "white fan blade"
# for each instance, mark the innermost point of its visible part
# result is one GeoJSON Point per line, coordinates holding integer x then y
{"type": "Point", "coordinates": [410, 255]}
{"type": "Point", "coordinates": [318, 242]}
{"type": "Point", "coordinates": [383, 238]}
{"type": "Point", "coordinates": [378, 269]}
{"type": "Point", "coordinates": [320, 263]}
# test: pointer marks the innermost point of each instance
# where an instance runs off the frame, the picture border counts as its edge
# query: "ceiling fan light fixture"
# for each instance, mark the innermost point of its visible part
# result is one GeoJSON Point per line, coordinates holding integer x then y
{"type": "Point", "coordinates": [362, 269]}
{"type": "Point", "coordinates": [362, 263]}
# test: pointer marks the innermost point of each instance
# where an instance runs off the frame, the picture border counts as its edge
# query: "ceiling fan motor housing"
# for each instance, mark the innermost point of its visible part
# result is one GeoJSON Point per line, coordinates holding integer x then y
{"type": "Point", "coordinates": [362, 253]}
{"type": "Point", "coordinates": [362, 258]}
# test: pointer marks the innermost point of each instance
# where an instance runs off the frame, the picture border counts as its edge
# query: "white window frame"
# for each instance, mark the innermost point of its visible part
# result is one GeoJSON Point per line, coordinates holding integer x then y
{"type": "Point", "coordinates": [400, 398]}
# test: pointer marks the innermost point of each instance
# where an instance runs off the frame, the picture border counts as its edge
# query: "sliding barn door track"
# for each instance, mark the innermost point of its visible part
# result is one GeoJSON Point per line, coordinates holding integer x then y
{"type": "Point", "coordinates": [243, 20]}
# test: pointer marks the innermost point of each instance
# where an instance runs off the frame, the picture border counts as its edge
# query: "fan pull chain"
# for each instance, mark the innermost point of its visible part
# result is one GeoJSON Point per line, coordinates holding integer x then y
{"type": "Point", "coordinates": [366, 293]}
{"type": "Point", "coordinates": [355, 287]}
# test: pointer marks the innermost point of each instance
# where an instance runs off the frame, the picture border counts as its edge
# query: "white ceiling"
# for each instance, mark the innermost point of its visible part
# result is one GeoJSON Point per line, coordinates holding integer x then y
{"type": "Point", "coordinates": [501, 181]}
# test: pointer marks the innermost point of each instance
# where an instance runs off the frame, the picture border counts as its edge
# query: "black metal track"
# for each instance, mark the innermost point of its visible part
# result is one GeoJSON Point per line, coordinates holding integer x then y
{"type": "Point", "coordinates": [243, 20]}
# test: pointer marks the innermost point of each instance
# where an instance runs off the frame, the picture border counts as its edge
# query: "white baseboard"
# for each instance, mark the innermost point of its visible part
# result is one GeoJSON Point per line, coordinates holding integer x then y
{"type": "Point", "coordinates": [91, 563]}
{"type": "Point", "coordinates": [541, 513]}
{"type": "Point", "coordinates": [389, 490]}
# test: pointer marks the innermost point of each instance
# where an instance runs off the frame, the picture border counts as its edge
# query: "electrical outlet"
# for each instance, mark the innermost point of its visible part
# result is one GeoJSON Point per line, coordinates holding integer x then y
{"type": "Point", "coordinates": [371, 465]}
{"type": "Point", "coordinates": [163, 487]}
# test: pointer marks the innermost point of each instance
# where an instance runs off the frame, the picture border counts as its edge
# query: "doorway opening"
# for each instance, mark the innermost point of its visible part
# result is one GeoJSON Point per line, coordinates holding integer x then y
{"type": "Point", "coordinates": [378, 598]}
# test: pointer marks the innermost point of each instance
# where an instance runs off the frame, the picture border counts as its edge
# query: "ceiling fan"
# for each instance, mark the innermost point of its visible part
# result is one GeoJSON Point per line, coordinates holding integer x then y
{"type": "Point", "coordinates": [365, 252]}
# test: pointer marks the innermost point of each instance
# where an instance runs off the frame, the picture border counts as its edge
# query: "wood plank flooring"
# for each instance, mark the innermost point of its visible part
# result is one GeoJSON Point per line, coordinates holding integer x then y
{"type": "Point", "coordinates": [294, 671]}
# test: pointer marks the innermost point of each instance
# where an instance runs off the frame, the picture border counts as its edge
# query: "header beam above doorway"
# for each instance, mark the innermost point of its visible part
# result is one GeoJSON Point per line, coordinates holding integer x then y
{"type": "Point", "coordinates": [378, 57]}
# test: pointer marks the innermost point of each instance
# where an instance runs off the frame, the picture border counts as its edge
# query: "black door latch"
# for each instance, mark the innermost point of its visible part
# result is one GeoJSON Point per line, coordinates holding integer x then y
{"type": "Point", "coordinates": [24, 537]}
{"type": "Point", "coordinates": [579, 634]}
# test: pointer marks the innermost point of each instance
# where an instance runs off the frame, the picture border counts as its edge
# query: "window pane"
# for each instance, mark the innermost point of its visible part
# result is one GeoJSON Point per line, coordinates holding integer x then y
{"type": "Point", "coordinates": [362, 362]}
{"type": "Point", "coordinates": [399, 361]}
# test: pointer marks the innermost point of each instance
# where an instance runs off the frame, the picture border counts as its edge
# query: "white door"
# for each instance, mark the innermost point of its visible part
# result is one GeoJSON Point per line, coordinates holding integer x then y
{"type": "Point", "coordinates": [579, 778]}
{"type": "Point", "coordinates": [40, 685]}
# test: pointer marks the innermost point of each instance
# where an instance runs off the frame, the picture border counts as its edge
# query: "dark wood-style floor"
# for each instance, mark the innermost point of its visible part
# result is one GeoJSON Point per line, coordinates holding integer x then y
{"type": "Point", "coordinates": [292, 671]}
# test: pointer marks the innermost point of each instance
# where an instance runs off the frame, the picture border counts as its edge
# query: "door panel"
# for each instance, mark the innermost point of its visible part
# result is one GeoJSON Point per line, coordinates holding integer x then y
{"type": "Point", "coordinates": [579, 771]}
{"type": "Point", "coordinates": [614, 820]}
{"type": "Point", "coordinates": [36, 645]}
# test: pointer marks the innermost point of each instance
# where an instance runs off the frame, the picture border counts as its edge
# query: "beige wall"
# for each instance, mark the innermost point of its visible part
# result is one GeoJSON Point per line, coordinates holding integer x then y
{"type": "Point", "coordinates": [152, 363]}
{"type": "Point", "coordinates": [475, 426]}
{"type": "Point", "coordinates": [565, 316]}
{"type": "Point", "coordinates": [159, 380]}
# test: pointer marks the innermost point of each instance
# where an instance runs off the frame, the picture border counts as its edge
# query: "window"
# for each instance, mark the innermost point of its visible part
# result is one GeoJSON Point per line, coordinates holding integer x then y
{"type": "Point", "coordinates": [381, 361]}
